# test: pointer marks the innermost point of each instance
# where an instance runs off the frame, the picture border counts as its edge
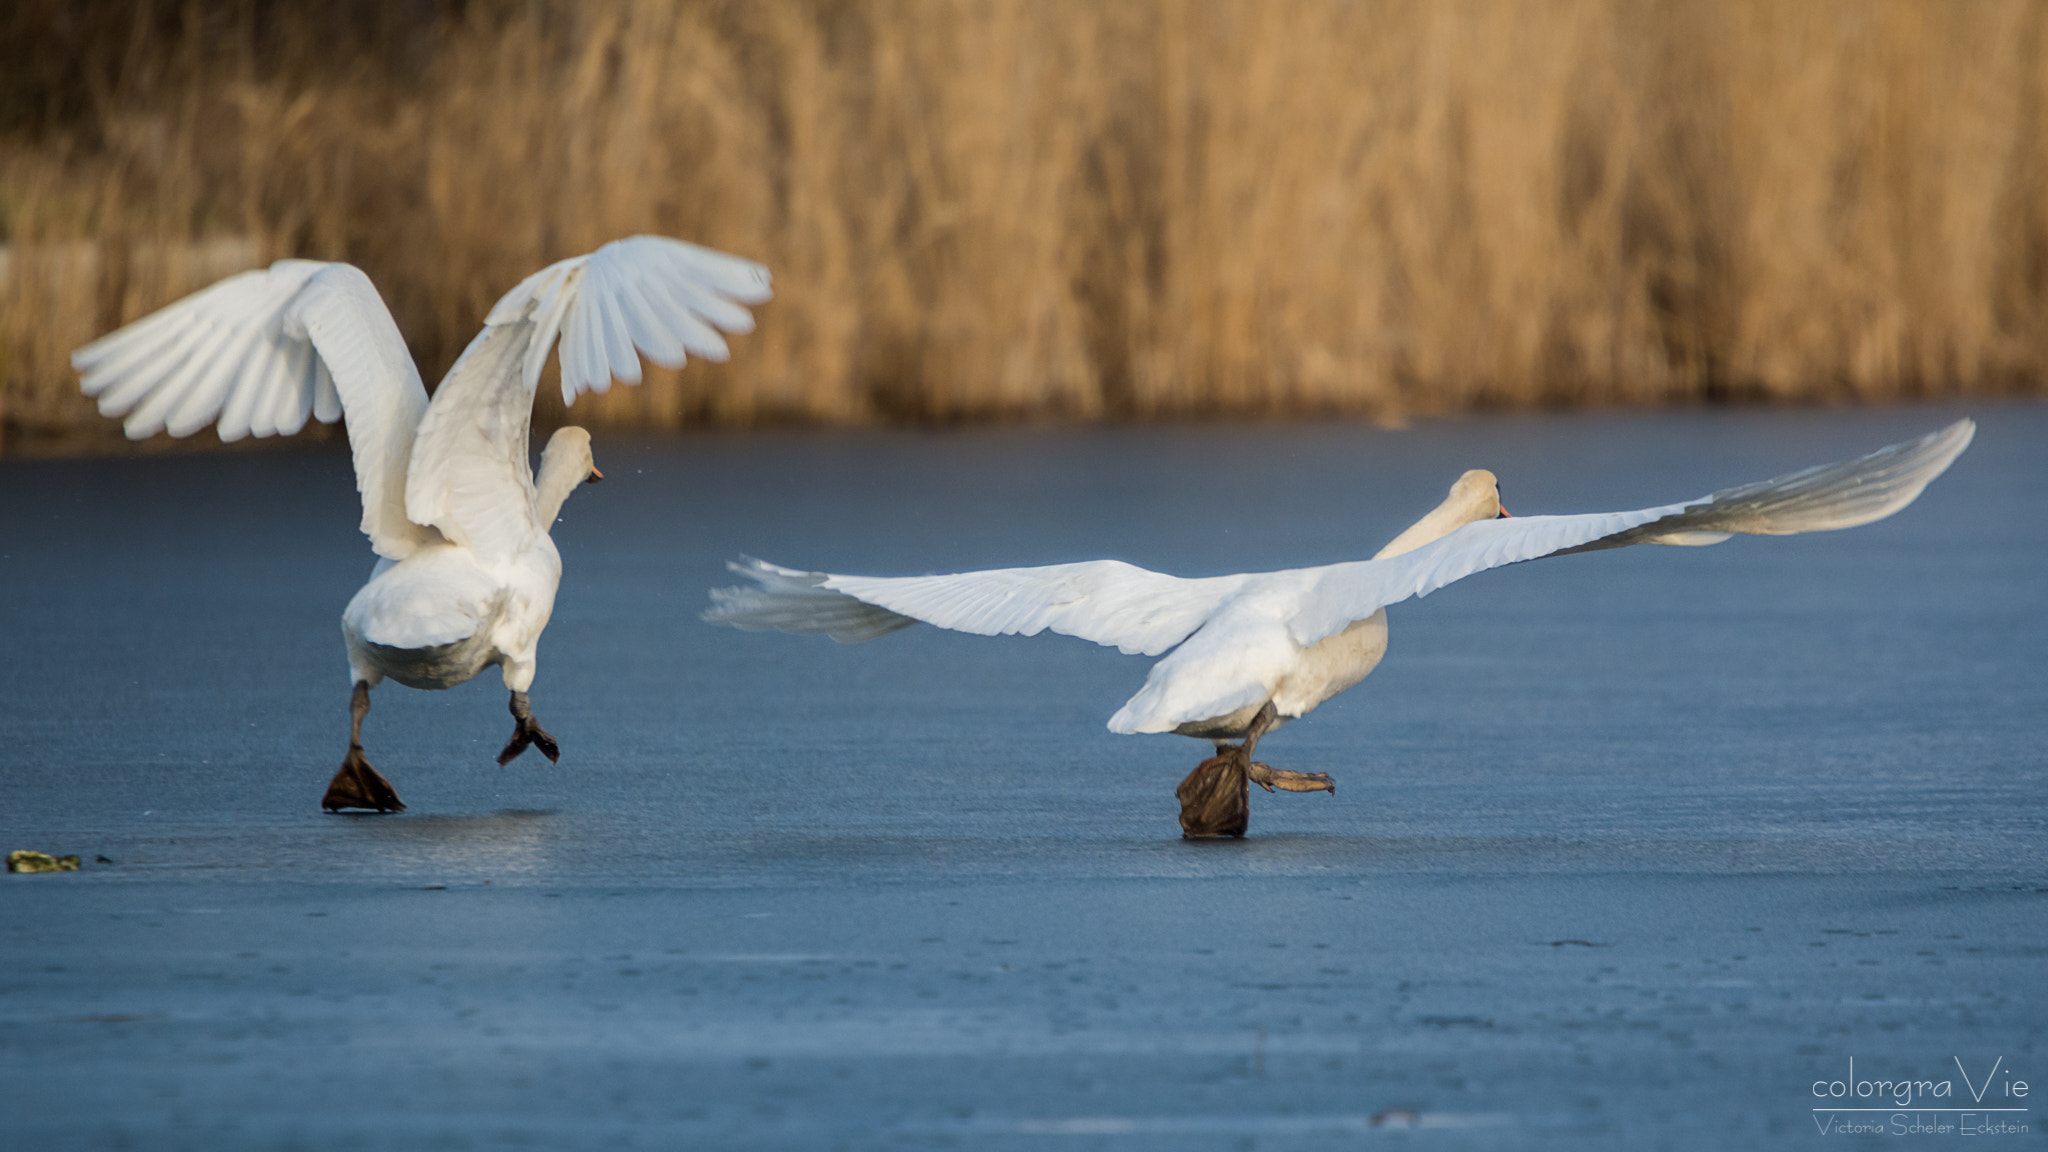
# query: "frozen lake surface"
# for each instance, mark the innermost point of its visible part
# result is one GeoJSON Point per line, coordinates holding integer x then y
{"type": "Point", "coordinates": [1629, 849]}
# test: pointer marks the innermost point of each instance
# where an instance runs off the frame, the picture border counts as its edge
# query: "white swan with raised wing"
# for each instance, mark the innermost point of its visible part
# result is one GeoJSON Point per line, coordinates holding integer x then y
{"type": "Point", "coordinates": [467, 573]}
{"type": "Point", "coordinates": [1247, 653]}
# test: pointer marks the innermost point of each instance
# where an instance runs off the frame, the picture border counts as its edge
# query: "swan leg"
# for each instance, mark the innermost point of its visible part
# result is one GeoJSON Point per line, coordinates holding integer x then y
{"type": "Point", "coordinates": [1268, 777]}
{"type": "Point", "coordinates": [1260, 725]}
{"type": "Point", "coordinates": [358, 785]}
{"type": "Point", "coordinates": [526, 731]}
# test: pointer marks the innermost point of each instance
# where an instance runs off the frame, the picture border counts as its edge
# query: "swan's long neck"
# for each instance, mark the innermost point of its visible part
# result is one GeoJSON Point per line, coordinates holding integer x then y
{"type": "Point", "coordinates": [1476, 496]}
{"type": "Point", "coordinates": [560, 472]}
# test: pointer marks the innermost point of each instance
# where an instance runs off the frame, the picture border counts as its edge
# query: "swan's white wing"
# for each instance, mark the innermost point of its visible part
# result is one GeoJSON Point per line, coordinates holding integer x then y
{"type": "Point", "coordinates": [1817, 499]}
{"type": "Point", "coordinates": [1139, 612]}
{"type": "Point", "coordinates": [257, 354]}
{"type": "Point", "coordinates": [664, 297]}
{"type": "Point", "coordinates": [469, 475]}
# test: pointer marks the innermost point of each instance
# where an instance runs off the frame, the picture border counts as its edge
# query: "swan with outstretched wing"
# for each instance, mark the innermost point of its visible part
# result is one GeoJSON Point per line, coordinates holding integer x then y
{"type": "Point", "coordinates": [1244, 654]}
{"type": "Point", "coordinates": [467, 573]}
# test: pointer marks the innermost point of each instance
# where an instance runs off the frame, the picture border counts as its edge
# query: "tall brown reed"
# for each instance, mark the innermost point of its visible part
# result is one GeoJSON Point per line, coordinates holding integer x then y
{"type": "Point", "coordinates": [984, 209]}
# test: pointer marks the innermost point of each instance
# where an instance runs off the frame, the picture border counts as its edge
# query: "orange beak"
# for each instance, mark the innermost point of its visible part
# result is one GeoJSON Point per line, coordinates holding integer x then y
{"type": "Point", "coordinates": [595, 476]}
{"type": "Point", "coordinates": [1505, 515]}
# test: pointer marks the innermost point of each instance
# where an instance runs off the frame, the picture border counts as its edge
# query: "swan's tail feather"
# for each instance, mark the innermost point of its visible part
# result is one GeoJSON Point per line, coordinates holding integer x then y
{"type": "Point", "coordinates": [786, 600]}
{"type": "Point", "coordinates": [1819, 499]}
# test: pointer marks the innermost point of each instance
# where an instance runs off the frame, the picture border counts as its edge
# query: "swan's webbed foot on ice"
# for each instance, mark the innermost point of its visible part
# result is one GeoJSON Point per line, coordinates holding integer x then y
{"type": "Point", "coordinates": [526, 731]}
{"type": "Point", "coordinates": [357, 785]}
{"type": "Point", "coordinates": [1215, 799]}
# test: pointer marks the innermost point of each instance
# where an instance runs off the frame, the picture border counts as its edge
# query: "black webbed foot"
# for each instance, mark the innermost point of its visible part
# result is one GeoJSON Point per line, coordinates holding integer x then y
{"type": "Point", "coordinates": [360, 786]}
{"type": "Point", "coordinates": [526, 730]}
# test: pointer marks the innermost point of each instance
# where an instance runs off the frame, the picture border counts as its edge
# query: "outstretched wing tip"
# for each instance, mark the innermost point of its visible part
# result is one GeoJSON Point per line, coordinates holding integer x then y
{"type": "Point", "coordinates": [787, 600]}
{"type": "Point", "coordinates": [1962, 432]}
{"type": "Point", "coordinates": [645, 295]}
{"type": "Point", "coordinates": [1823, 498]}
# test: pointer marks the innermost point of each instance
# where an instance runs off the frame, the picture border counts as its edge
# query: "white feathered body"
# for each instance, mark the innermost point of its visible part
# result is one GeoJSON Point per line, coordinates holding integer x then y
{"type": "Point", "coordinates": [479, 588]}
{"type": "Point", "coordinates": [440, 616]}
{"type": "Point", "coordinates": [1240, 651]}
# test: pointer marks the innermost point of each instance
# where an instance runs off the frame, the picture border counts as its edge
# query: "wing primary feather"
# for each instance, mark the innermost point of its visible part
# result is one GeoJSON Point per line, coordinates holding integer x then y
{"type": "Point", "coordinates": [737, 277]}
{"type": "Point", "coordinates": [710, 305]}
{"type": "Point", "coordinates": [116, 346]}
{"type": "Point", "coordinates": [114, 357]}
{"type": "Point", "coordinates": [645, 326]}
{"type": "Point", "coordinates": [689, 308]}
{"type": "Point", "coordinates": [232, 361]}
{"type": "Point", "coordinates": [622, 362]}
{"type": "Point", "coordinates": [270, 361]}
{"type": "Point", "coordinates": [701, 339]}
{"type": "Point", "coordinates": [119, 394]}
{"type": "Point", "coordinates": [300, 361]}
{"type": "Point", "coordinates": [197, 374]}
{"type": "Point", "coordinates": [583, 364]}
{"type": "Point", "coordinates": [786, 600]}
{"type": "Point", "coordinates": [550, 313]}
{"type": "Point", "coordinates": [296, 404]}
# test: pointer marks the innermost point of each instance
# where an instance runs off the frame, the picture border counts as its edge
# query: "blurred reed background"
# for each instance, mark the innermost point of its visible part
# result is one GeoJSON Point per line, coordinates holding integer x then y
{"type": "Point", "coordinates": [1075, 209]}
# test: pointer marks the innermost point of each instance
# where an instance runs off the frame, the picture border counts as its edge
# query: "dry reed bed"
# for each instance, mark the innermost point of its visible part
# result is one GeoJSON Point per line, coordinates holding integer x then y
{"type": "Point", "coordinates": [982, 209]}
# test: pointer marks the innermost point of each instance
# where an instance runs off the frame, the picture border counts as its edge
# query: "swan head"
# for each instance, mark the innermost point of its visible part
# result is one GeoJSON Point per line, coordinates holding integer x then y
{"type": "Point", "coordinates": [566, 462]}
{"type": "Point", "coordinates": [1476, 496]}
{"type": "Point", "coordinates": [569, 450]}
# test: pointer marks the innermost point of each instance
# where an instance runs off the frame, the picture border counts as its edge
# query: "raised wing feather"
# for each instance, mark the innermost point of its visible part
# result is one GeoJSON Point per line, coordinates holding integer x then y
{"type": "Point", "coordinates": [258, 353]}
{"type": "Point", "coordinates": [1136, 611]}
{"type": "Point", "coordinates": [469, 475]}
{"type": "Point", "coordinates": [664, 297]}
{"type": "Point", "coordinates": [1817, 499]}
